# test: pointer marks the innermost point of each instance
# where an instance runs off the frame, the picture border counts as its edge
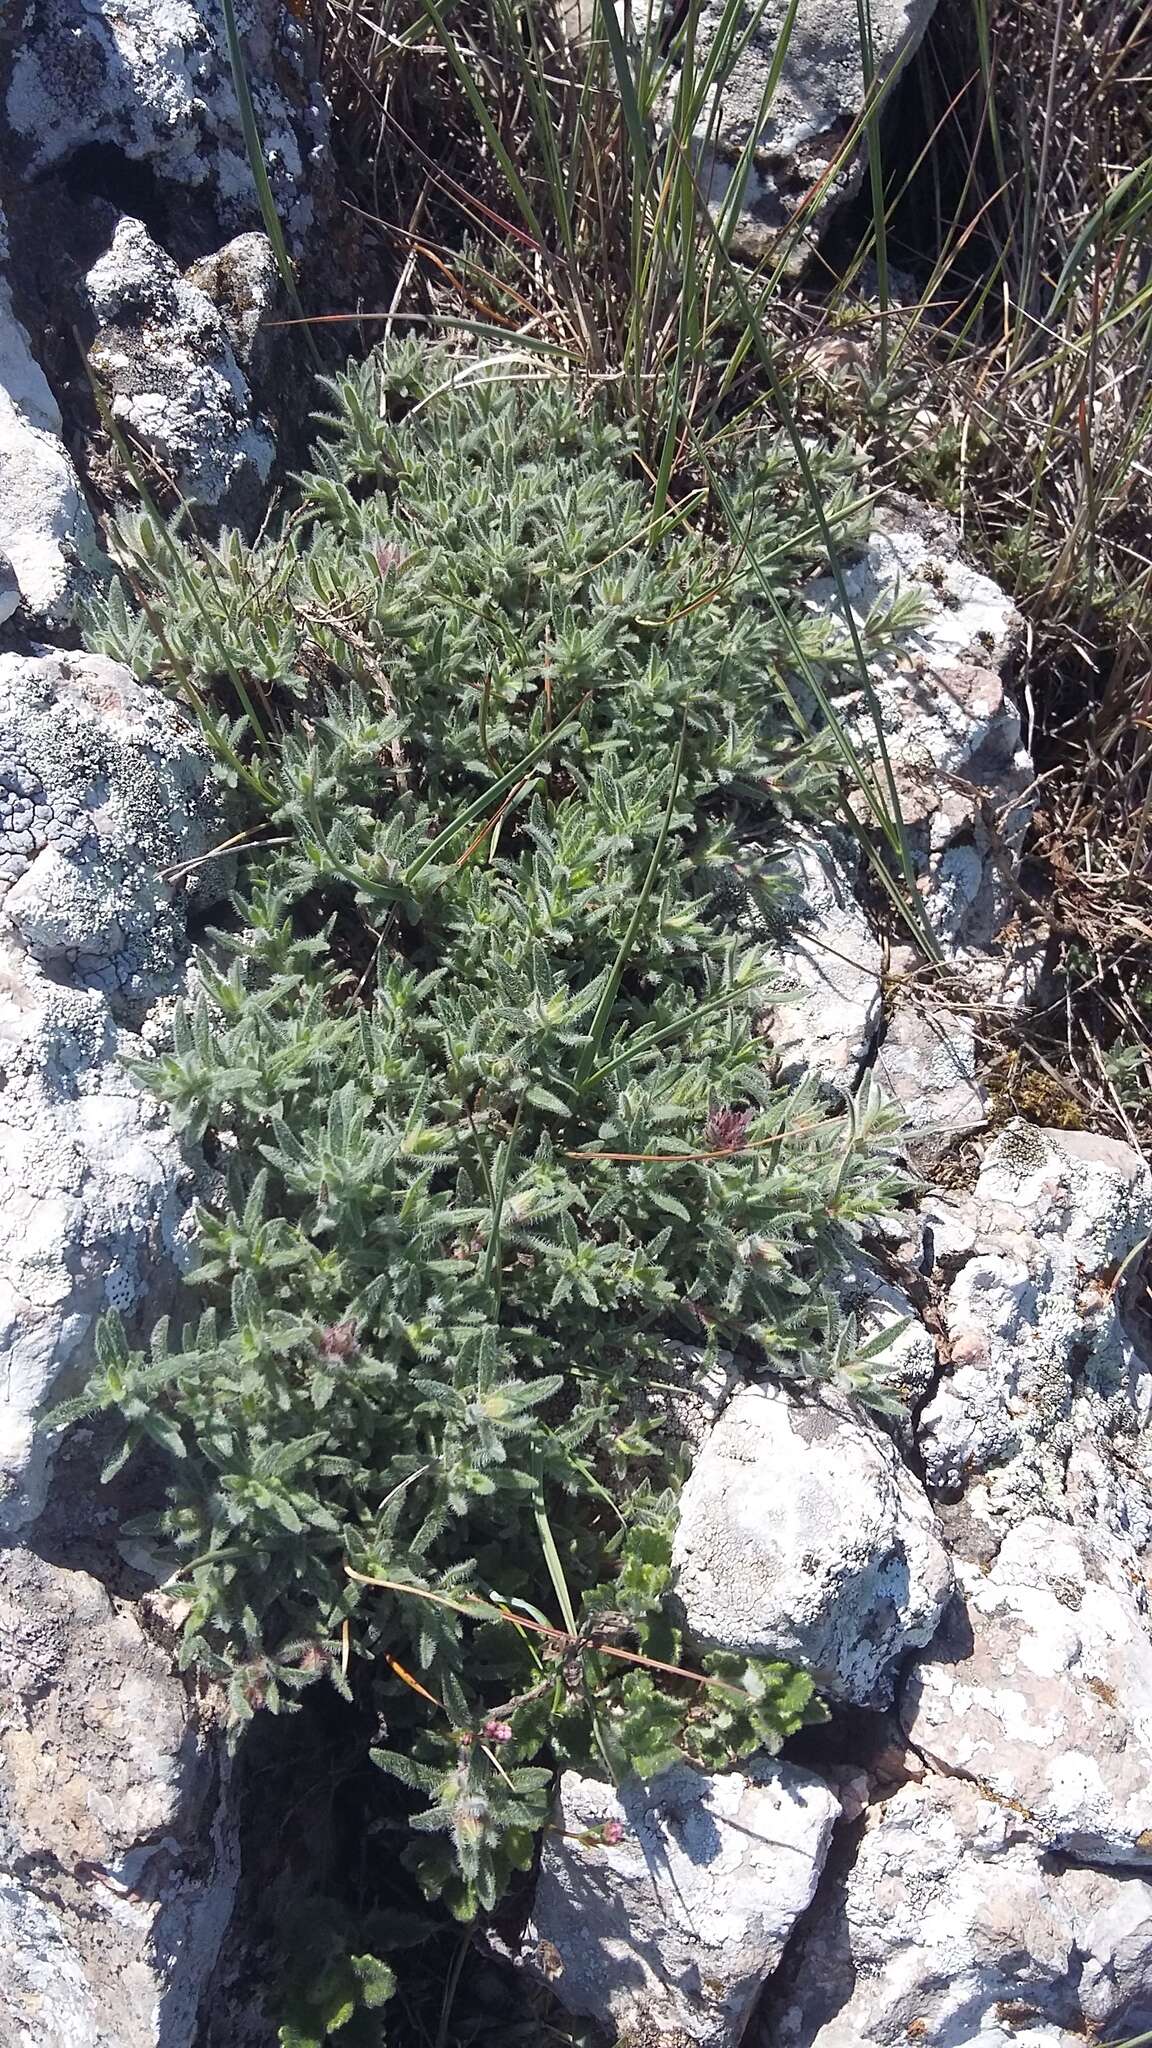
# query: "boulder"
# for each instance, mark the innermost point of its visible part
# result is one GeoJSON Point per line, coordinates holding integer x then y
{"type": "Point", "coordinates": [943, 1927]}
{"type": "Point", "coordinates": [118, 1857]}
{"type": "Point", "coordinates": [103, 789]}
{"type": "Point", "coordinates": [148, 83]}
{"type": "Point", "coordinates": [818, 98]}
{"type": "Point", "coordinates": [164, 356]}
{"type": "Point", "coordinates": [666, 1930]}
{"type": "Point", "coordinates": [803, 1536]}
{"type": "Point", "coordinates": [1039, 1691]}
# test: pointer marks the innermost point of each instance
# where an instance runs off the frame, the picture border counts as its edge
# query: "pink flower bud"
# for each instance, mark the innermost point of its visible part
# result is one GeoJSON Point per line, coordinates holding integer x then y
{"type": "Point", "coordinates": [389, 557]}
{"type": "Point", "coordinates": [497, 1731]}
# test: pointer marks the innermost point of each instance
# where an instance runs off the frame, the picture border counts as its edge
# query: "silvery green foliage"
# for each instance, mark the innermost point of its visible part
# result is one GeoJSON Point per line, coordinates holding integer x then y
{"type": "Point", "coordinates": [483, 1055]}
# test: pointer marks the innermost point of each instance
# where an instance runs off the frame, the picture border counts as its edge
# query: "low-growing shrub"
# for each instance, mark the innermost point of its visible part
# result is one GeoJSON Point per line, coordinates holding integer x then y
{"type": "Point", "coordinates": [477, 1056]}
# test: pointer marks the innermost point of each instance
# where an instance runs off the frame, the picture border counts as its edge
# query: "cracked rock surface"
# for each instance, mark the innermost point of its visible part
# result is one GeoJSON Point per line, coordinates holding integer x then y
{"type": "Point", "coordinates": [102, 788]}
{"type": "Point", "coordinates": [667, 1934]}
{"type": "Point", "coordinates": [940, 1925]}
{"type": "Point", "coordinates": [1040, 1690]}
{"type": "Point", "coordinates": [118, 1859]}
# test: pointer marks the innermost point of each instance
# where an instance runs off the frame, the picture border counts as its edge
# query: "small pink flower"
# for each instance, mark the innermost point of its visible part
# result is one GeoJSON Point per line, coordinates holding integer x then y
{"type": "Point", "coordinates": [497, 1731]}
{"type": "Point", "coordinates": [611, 1833]}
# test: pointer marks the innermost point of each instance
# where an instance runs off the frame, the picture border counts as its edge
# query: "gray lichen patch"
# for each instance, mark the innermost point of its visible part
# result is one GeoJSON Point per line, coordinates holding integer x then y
{"type": "Point", "coordinates": [105, 795]}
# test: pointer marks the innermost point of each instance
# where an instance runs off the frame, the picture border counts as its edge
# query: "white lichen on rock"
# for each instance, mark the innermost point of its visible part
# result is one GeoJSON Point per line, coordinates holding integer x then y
{"type": "Point", "coordinates": [107, 789]}
{"type": "Point", "coordinates": [150, 79]}
{"type": "Point", "coordinates": [165, 358]}
{"type": "Point", "coordinates": [803, 1536]}
{"type": "Point", "coordinates": [1043, 1373]}
{"type": "Point", "coordinates": [107, 814]}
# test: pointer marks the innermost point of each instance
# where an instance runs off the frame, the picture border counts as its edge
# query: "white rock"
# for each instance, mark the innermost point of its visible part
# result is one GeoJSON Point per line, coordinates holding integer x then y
{"type": "Point", "coordinates": [819, 95]}
{"type": "Point", "coordinates": [1043, 1375]}
{"type": "Point", "coordinates": [951, 733]}
{"type": "Point", "coordinates": [46, 533]}
{"type": "Point", "coordinates": [912, 551]}
{"type": "Point", "coordinates": [803, 1536]}
{"type": "Point", "coordinates": [164, 356]}
{"type": "Point", "coordinates": [832, 963]}
{"type": "Point", "coordinates": [668, 1934]}
{"type": "Point", "coordinates": [151, 80]}
{"type": "Point", "coordinates": [1043, 1696]}
{"type": "Point", "coordinates": [948, 1930]}
{"type": "Point", "coordinates": [102, 787]}
{"type": "Point", "coordinates": [118, 1857]}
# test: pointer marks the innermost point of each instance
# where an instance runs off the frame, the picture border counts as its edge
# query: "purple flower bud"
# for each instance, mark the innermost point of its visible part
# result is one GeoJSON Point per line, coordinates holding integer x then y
{"type": "Point", "coordinates": [389, 557]}
{"type": "Point", "coordinates": [726, 1129]}
{"type": "Point", "coordinates": [339, 1340]}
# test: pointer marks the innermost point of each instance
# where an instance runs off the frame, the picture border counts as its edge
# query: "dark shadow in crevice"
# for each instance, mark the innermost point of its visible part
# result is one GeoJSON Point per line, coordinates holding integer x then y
{"type": "Point", "coordinates": [322, 1831]}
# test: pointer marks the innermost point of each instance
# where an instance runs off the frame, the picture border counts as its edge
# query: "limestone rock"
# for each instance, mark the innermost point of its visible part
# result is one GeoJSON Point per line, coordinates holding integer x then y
{"type": "Point", "coordinates": [118, 1862]}
{"type": "Point", "coordinates": [149, 82]}
{"type": "Point", "coordinates": [1044, 1378]}
{"type": "Point", "coordinates": [803, 1536]}
{"type": "Point", "coordinates": [47, 539]}
{"type": "Point", "coordinates": [832, 962]}
{"type": "Point", "coordinates": [164, 355]}
{"type": "Point", "coordinates": [951, 732]}
{"type": "Point", "coordinates": [945, 1928]}
{"type": "Point", "coordinates": [1041, 1692]}
{"type": "Point", "coordinates": [107, 817]}
{"type": "Point", "coordinates": [103, 789]}
{"type": "Point", "coordinates": [667, 1934]}
{"type": "Point", "coordinates": [819, 95]}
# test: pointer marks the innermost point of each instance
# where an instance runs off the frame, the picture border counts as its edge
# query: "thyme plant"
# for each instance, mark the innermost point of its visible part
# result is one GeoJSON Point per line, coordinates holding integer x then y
{"type": "Point", "coordinates": [477, 1056]}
